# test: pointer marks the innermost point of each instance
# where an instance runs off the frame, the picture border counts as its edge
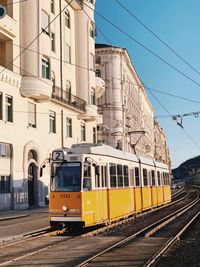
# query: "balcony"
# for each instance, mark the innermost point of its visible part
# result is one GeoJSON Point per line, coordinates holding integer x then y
{"type": "Point", "coordinates": [8, 28]}
{"type": "Point", "coordinates": [90, 113]}
{"type": "Point", "coordinates": [68, 99]}
{"type": "Point", "coordinates": [36, 88]}
{"type": "Point", "coordinates": [100, 86]}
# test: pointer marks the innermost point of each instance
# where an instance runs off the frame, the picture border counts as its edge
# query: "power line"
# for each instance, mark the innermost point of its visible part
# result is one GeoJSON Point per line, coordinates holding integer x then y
{"type": "Point", "coordinates": [11, 4]}
{"type": "Point", "coordinates": [146, 48]}
{"type": "Point", "coordinates": [112, 77]}
{"type": "Point", "coordinates": [78, 66]}
{"type": "Point", "coordinates": [37, 36]}
{"type": "Point", "coordinates": [155, 35]}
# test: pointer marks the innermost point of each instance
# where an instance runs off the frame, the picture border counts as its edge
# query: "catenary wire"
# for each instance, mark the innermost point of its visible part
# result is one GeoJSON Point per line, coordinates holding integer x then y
{"type": "Point", "coordinates": [11, 4]}
{"type": "Point", "coordinates": [155, 35]}
{"type": "Point", "coordinates": [26, 48]}
{"type": "Point", "coordinates": [146, 48]}
{"type": "Point", "coordinates": [78, 66]}
{"type": "Point", "coordinates": [37, 36]}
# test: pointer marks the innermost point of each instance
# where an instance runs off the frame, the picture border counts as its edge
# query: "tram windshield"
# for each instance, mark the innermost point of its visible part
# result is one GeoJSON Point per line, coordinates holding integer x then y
{"type": "Point", "coordinates": [66, 177]}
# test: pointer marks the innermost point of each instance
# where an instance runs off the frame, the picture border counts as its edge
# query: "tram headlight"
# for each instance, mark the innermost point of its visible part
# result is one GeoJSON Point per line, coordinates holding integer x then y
{"type": "Point", "coordinates": [64, 208]}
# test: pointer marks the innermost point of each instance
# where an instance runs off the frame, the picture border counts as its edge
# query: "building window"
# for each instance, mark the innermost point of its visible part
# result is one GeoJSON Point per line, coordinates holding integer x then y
{"type": "Point", "coordinates": [68, 127]}
{"type": "Point", "coordinates": [98, 73]}
{"type": "Point", "coordinates": [53, 44]}
{"type": "Point", "coordinates": [32, 115]}
{"type": "Point", "coordinates": [83, 132]}
{"type": "Point", "coordinates": [45, 22]}
{"type": "Point", "coordinates": [92, 31]}
{"type": "Point", "coordinates": [4, 150]}
{"type": "Point", "coordinates": [68, 90]}
{"type": "Point", "coordinates": [52, 6]}
{"type": "Point", "coordinates": [98, 60]}
{"type": "Point", "coordinates": [4, 184]}
{"type": "Point", "coordinates": [92, 62]}
{"type": "Point", "coordinates": [67, 19]}
{"type": "Point", "coordinates": [67, 53]}
{"type": "Point", "coordinates": [94, 131]}
{"type": "Point", "coordinates": [53, 79]}
{"type": "Point", "coordinates": [9, 108]}
{"type": "Point", "coordinates": [1, 106]}
{"type": "Point", "coordinates": [45, 68]}
{"type": "Point", "coordinates": [93, 97]}
{"type": "Point", "coordinates": [52, 122]}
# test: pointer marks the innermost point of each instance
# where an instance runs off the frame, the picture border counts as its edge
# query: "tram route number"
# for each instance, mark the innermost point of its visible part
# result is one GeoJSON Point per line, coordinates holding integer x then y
{"type": "Point", "coordinates": [65, 195]}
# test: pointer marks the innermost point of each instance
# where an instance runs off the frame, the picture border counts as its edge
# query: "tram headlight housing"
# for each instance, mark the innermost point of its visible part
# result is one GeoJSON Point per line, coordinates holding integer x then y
{"type": "Point", "coordinates": [64, 208]}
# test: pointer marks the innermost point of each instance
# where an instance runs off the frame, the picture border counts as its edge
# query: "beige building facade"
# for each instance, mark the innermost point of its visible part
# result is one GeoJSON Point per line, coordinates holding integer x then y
{"type": "Point", "coordinates": [128, 116]}
{"type": "Point", "coordinates": [161, 149]}
{"type": "Point", "coordinates": [48, 91]}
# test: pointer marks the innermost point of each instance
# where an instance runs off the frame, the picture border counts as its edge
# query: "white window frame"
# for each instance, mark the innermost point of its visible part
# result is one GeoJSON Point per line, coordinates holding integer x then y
{"type": "Point", "coordinates": [31, 115]}
{"type": "Point", "coordinates": [45, 19]}
{"type": "Point", "coordinates": [9, 108]}
{"type": "Point", "coordinates": [45, 68]}
{"type": "Point", "coordinates": [52, 121]}
{"type": "Point", "coordinates": [68, 127]}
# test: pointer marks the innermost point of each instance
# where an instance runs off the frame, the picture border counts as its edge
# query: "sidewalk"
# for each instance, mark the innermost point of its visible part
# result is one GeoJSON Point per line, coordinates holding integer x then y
{"type": "Point", "coordinates": [13, 214]}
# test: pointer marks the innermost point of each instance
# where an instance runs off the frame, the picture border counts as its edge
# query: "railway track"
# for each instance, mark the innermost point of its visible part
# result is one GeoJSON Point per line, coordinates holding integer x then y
{"type": "Point", "coordinates": [145, 247]}
{"type": "Point", "coordinates": [41, 249]}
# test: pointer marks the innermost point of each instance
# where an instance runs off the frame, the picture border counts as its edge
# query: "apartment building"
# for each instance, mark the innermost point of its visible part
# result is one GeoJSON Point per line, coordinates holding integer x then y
{"type": "Point", "coordinates": [128, 116]}
{"type": "Point", "coordinates": [48, 91]}
{"type": "Point", "coordinates": [161, 149]}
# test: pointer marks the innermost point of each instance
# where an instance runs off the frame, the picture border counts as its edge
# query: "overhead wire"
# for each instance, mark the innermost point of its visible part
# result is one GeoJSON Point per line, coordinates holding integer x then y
{"type": "Point", "coordinates": [156, 36]}
{"type": "Point", "coordinates": [36, 36]}
{"type": "Point", "coordinates": [86, 68]}
{"type": "Point", "coordinates": [180, 72]}
{"type": "Point", "coordinates": [13, 3]}
{"type": "Point", "coordinates": [143, 46]}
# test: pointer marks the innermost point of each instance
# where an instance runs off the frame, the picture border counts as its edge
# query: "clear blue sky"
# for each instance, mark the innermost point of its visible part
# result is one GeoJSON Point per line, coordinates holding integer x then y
{"type": "Point", "coordinates": [177, 23]}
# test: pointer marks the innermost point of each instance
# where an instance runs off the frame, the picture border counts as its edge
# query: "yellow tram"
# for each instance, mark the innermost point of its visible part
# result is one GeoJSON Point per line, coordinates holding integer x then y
{"type": "Point", "coordinates": [96, 184]}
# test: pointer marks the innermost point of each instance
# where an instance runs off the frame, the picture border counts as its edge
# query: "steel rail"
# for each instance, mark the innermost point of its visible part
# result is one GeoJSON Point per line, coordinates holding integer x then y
{"type": "Point", "coordinates": [170, 242]}
{"type": "Point", "coordinates": [149, 230]}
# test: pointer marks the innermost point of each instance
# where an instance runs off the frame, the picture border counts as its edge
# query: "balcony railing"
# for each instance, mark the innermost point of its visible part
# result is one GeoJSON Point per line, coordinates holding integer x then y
{"type": "Point", "coordinates": [69, 99]}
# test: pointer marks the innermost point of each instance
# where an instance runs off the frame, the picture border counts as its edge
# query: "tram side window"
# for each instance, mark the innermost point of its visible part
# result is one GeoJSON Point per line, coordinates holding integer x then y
{"type": "Point", "coordinates": [164, 179]}
{"type": "Point", "coordinates": [132, 177]}
{"type": "Point", "coordinates": [113, 175]}
{"type": "Point", "coordinates": [145, 177]}
{"type": "Point", "coordinates": [167, 178]}
{"type": "Point", "coordinates": [137, 176]}
{"type": "Point", "coordinates": [103, 176]}
{"type": "Point", "coordinates": [97, 176]}
{"type": "Point", "coordinates": [119, 175]}
{"type": "Point", "coordinates": [87, 182]}
{"type": "Point", "coordinates": [161, 178]}
{"type": "Point", "coordinates": [126, 181]}
{"type": "Point", "coordinates": [153, 177]}
{"type": "Point", "coordinates": [158, 175]}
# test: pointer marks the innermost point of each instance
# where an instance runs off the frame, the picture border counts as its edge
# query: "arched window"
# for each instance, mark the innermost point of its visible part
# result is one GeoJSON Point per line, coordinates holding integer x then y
{"type": "Point", "coordinates": [32, 155]}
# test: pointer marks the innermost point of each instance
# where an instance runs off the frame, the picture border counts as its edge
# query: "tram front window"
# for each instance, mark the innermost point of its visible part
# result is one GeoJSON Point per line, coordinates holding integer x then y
{"type": "Point", "coordinates": [66, 177]}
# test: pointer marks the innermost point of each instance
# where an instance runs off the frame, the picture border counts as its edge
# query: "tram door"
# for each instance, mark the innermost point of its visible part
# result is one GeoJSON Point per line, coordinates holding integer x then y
{"type": "Point", "coordinates": [32, 172]}
{"type": "Point", "coordinates": [99, 196]}
{"type": "Point", "coordinates": [101, 193]}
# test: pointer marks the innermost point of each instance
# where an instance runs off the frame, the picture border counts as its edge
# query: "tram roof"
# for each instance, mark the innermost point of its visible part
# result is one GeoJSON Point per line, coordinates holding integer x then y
{"type": "Point", "coordinates": [102, 149]}
{"type": "Point", "coordinates": [160, 165]}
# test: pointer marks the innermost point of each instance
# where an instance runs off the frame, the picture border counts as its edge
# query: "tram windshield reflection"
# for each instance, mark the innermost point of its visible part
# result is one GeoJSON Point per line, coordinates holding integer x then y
{"type": "Point", "coordinates": [66, 177]}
